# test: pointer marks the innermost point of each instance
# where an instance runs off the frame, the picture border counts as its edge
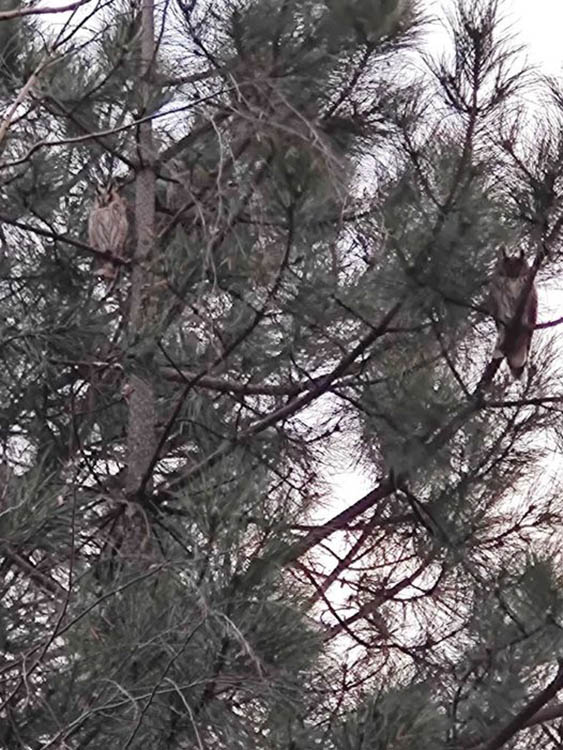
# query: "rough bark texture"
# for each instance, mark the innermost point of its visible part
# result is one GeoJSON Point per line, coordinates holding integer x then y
{"type": "Point", "coordinates": [141, 438]}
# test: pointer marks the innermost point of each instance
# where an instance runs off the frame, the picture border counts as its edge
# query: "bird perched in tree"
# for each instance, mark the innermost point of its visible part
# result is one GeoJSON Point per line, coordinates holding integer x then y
{"type": "Point", "coordinates": [108, 226]}
{"type": "Point", "coordinates": [509, 282]}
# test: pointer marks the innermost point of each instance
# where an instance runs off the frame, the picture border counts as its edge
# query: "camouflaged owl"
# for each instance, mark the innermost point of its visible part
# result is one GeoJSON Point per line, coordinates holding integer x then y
{"type": "Point", "coordinates": [508, 282]}
{"type": "Point", "coordinates": [108, 226]}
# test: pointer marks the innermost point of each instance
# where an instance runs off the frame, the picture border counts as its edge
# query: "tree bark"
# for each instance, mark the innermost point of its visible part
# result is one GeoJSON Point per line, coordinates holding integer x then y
{"type": "Point", "coordinates": [141, 434]}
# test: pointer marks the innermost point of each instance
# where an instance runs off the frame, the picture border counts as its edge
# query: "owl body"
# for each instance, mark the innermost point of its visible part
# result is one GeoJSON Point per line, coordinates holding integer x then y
{"type": "Point", "coordinates": [507, 285]}
{"type": "Point", "coordinates": [108, 227]}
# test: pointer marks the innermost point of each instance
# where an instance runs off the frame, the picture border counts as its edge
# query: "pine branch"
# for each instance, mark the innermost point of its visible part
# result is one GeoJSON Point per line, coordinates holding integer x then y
{"type": "Point", "coordinates": [373, 605]}
{"type": "Point", "coordinates": [528, 716]}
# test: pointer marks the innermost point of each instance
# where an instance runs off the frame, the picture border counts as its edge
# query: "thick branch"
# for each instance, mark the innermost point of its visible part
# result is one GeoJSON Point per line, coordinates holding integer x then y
{"type": "Point", "coordinates": [522, 719]}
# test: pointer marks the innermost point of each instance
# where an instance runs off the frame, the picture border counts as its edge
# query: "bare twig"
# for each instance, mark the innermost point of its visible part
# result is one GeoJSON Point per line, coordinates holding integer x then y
{"type": "Point", "coordinates": [35, 11]}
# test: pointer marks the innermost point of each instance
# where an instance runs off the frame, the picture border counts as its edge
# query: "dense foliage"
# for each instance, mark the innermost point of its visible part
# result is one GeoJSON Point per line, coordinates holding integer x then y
{"type": "Point", "coordinates": [316, 197]}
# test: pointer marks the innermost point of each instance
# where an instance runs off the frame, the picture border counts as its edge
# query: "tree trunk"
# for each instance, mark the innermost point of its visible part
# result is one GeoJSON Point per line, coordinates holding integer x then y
{"type": "Point", "coordinates": [141, 436]}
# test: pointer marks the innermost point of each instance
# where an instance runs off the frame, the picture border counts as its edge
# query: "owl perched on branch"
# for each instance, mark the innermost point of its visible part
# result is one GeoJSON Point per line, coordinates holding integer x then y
{"type": "Point", "coordinates": [508, 284]}
{"type": "Point", "coordinates": [108, 226]}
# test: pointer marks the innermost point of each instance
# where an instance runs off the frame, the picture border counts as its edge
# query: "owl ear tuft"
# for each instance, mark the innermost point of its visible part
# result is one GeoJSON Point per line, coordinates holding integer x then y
{"type": "Point", "coordinates": [521, 253]}
{"type": "Point", "coordinates": [502, 252]}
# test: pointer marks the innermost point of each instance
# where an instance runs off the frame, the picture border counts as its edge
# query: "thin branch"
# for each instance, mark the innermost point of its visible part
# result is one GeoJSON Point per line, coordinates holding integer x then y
{"type": "Point", "coordinates": [540, 401]}
{"type": "Point", "coordinates": [49, 234]}
{"type": "Point", "coordinates": [372, 606]}
{"type": "Point", "coordinates": [8, 117]}
{"type": "Point", "coordinates": [44, 581]}
{"type": "Point", "coordinates": [549, 323]}
{"type": "Point", "coordinates": [18, 13]}
{"type": "Point", "coordinates": [223, 385]}
{"type": "Point", "coordinates": [346, 561]}
{"type": "Point", "coordinates": [103, 133]}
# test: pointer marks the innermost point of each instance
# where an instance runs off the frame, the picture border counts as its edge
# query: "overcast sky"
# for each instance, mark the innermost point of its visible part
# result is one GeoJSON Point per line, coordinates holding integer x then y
{"type": "Point", "coordinates": [539, 24]}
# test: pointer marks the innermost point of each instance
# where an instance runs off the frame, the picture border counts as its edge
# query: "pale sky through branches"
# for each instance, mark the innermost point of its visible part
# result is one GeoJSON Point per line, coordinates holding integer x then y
{"type": "Point", "coordinates": [537, 26]}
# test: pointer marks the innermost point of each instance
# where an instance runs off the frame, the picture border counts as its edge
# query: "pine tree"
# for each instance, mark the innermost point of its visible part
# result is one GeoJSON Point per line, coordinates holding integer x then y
{"type": "Point", "coordinates": [315, 203]}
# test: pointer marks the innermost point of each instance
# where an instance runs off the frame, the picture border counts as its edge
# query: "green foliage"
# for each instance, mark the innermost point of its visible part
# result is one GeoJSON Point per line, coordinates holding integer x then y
{"type": "Point", "coordinates": [329, 203]}
{"type": "Point", "coordinates": [17, 49]}
{"type": "Point", "coordinates": [396, 718]}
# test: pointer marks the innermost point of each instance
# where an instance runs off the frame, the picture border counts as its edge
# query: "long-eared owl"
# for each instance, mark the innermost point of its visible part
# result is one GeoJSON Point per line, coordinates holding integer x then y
{"type": "Point", "coordinates": [108, 226]}
{"type": "Point", "coordinates": [508, 282]}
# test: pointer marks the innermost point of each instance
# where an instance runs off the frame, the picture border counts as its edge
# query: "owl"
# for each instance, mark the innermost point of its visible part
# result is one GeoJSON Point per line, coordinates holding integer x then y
{"type": "Point", "coordinates": [507, 284]}
{"type": "Point", "coordinates": [108, 226]}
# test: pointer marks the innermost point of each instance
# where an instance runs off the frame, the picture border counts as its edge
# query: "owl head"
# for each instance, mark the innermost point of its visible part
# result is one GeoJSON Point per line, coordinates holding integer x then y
{"type": "Point", "coordinates": [107, 192]}
{"type": "Point", "coordinates": [512, 266]}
